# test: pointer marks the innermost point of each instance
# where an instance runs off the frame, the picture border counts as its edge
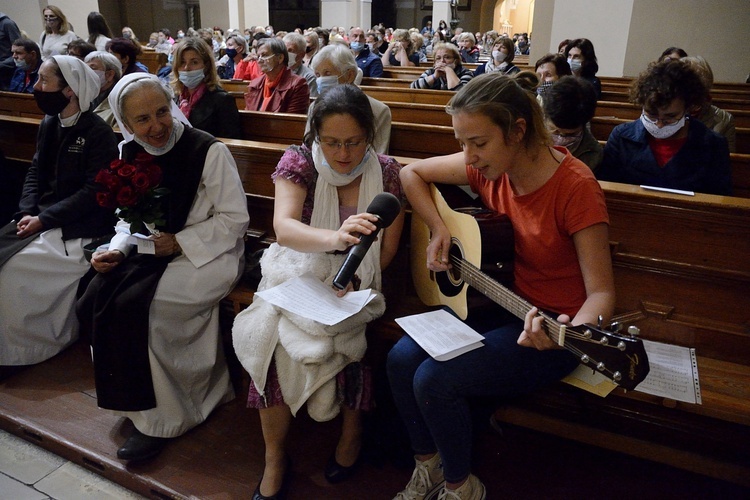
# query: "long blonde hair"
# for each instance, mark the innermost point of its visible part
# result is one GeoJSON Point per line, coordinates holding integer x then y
{"type": "Point", "coordinates": [64, 26]}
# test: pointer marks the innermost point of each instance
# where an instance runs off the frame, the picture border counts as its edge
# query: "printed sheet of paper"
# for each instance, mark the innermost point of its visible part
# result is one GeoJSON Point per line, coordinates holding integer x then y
{"type": "Point", "coordinates": [590, 380]}
{"type": "Point", "coordinates": [309, 297]}
{"type": "Point", "coordinates": [441, 334]}
{"type": "Point", "coordinates": [673, 373]}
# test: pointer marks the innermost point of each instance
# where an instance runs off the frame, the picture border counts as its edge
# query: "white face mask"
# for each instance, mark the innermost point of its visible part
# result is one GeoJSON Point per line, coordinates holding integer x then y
{"type": "Point", "coordinates": [292, 59]}
{"type": "Point", "coordinates": [575, 64]}
{"type": "Point", "coordinates": [102, 77]}
{"type": "Point", "coordinates": [191, 79]}
{"type": "Point", "coordinates": [664, 132]}
{"type": "Point", "coordinates": [498, 56]}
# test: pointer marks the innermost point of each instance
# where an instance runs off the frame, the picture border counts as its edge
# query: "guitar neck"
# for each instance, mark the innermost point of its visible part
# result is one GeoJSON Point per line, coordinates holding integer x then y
{"type": "Point", "coordinates": [504, 297]}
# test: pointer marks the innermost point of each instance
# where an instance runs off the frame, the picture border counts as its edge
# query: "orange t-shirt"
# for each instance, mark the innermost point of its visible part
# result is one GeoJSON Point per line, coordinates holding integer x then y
{"type": "Point", "coordinates": [546, 268]}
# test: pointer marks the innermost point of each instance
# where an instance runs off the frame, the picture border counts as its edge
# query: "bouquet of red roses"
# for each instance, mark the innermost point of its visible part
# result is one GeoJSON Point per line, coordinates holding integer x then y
{"type": "Point", "coordinates": [133, 189]}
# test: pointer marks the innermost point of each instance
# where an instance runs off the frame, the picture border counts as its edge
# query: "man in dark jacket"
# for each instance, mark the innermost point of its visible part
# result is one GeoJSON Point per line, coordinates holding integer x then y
{"type": "Point", "coordinates": [369, 63]}
{"type": "Point", "coordinates": [27, 59]}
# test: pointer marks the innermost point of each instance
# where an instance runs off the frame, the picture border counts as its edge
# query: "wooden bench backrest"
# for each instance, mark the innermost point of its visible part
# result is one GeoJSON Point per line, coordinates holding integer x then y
{"type": "Point", "coordinates": [153, 60]}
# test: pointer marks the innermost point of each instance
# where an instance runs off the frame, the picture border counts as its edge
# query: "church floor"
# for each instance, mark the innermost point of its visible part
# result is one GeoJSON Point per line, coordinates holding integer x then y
{"type": "Point", "coordinates": [52, 406]}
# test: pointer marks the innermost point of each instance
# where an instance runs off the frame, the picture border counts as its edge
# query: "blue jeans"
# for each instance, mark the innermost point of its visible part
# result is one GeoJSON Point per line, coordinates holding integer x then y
{"type": "Point", "coordinates": [432, 396]}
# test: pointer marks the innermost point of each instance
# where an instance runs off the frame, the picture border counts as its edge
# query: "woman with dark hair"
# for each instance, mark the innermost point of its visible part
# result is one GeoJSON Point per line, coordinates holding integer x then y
{"type": "Point", "coordinates": [99, 32]}
{"type": "Point", "coordinates": [57, 34]}
{"type": "Point", "coordinates": [322, 191]}
{"type": "Point", "coordinates": [437, 38]}
{"type": "Point", "coordinates": [503, 53]}
{"type": "Point", "coordinates": [672, 53]}
{"type": "Point", "coordinates": [126, 51]}
{"type": "Point", "coordinates": [549, 69]}
{"type": "Point", "coordinates": [199, 95]}
{"type": "Point", "coordinates": [582, 60]}
{"type": "Point", "coordinates": [569, 105]}
{"type": "Point", "coordinates": [562, 45]}
{"type": "Point", "coordinates": [277, 89]}
{"type": "Point", "coordinates": [562, 265]}
{"type": "Point", "coordinates": [665, 147]}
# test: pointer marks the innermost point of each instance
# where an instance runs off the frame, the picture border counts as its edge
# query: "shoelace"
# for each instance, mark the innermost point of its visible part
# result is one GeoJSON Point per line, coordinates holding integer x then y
{"type": "Point", "coordinates": [447, 494]}
{"type": "Point", "coordinates": [417, 484]}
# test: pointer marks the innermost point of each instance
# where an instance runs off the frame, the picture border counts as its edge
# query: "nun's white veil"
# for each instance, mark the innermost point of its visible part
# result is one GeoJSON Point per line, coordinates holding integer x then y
{"type": "Point", "coordinates": [82, 80]}
{"type": "Point", "coordinates": [114, 101]}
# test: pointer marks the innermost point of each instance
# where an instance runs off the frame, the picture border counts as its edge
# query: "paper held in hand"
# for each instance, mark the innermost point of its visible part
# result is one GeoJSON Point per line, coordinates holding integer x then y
{"type": "Point", "coordinates": [309, 297]}
{"type": "Point", "coordinates": [441, 334]}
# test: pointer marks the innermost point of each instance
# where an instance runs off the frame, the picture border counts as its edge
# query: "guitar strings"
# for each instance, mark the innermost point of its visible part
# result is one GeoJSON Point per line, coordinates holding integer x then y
{"type": "Point", "coordinates": [490, 288]}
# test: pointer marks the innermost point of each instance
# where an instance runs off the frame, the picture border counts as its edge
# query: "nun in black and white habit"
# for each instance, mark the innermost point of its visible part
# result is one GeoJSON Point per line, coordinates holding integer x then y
{"type": "Point", "coordinates": [42, 249]}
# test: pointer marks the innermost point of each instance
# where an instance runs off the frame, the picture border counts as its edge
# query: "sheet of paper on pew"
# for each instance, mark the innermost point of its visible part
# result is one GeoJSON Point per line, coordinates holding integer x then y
{"type": "Point", "coordinates": [673, 374]}
{"type": "Point", "coordinates": [440, 334]}
{"type": "Point", "coordinates": [310, 298]}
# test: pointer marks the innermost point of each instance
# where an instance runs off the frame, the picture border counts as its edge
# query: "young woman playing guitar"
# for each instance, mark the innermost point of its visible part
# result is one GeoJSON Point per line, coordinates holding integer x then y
{"type": "Point", "coordinates": [562, 266]}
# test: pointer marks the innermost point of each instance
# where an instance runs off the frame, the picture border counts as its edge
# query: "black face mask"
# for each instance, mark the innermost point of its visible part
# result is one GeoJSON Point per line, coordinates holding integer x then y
{"type": "Point", "coordinates": [51, 103]}
{"type": "Point", "coordinates": [308, 49]}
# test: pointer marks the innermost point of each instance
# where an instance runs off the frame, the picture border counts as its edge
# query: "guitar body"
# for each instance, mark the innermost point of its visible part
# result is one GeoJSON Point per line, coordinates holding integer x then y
{"type": "Point", "coordinates": [480, 236]}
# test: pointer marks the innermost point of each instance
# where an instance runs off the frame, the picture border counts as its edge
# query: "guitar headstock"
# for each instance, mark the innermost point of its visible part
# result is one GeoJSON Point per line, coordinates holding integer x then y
{"type": "Point", "coordinates": [621, 358]}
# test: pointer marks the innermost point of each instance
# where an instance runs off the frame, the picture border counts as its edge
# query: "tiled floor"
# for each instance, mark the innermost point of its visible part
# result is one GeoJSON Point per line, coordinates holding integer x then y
{"type": "Point", "coordinates": [28, 472]}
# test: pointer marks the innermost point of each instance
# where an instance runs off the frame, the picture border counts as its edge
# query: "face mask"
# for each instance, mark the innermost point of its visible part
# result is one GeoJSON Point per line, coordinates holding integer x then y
{"type": "Point", "coordinates": [292, 59]}
{"type": "Point", "coordinates": [543, 88]}
{"type": "Point", "coordinates": [575, 64]}
{"type": "Point", "coordinates": [498, 56]}
{"type": "Point", "coordinates": [51, 103]}
{"type": "Point", "coordinates": [320, 42]}
{"type": "Point", "coordinates": [102, 77]}
{"type": "Point", "coordinates": [269, 32]}
{"type": "Point", "coordinates": [231, 53]}
{"type": "Point", "coordinates": [170, 58]}
{"type": "Point", "coordinates": [180, 35]}
{"type": "Point", "coordinates": [571, 142]}
{"type": "Point", "coordinates": [308, 49]}
{"type": "Point", "coordinates": [356, 46]}
{"type": "Point", "coordinates": [21, 63]}
{"type": "Point", "coordinates": [326, 82]}
{"type": "Point", "coordinates": [191, 79]}
{"type": "Point", "coordinates": [126, 35]}
{"type": "Point", "coordinates": [666, 131]}
{"type": "Point", "coordinates": [371, 46]}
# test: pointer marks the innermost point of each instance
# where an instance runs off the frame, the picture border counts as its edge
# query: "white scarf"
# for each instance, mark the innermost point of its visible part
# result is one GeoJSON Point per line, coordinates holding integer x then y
{"type": "Point", "coordinates": [327, 196]}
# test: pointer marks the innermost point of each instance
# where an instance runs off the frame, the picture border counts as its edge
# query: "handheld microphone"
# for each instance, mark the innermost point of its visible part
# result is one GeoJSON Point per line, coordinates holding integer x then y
{"type": "Point", "coordinates": [385, 207]}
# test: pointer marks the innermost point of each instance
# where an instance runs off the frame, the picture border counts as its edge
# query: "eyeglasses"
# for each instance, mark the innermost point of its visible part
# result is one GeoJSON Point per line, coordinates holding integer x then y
{"type": "Point", "coordinates": [665, 121]}
{"type": "Point", "coordinates": [51, 18]}
{"type": "Point", "coordinates": [337, 145]}
{"type": "Point", "coordinates": [266, 58]}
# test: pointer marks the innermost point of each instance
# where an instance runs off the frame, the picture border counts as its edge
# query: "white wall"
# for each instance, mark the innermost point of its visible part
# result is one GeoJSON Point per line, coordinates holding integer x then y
{"type": "Point", "coordinates": [28, 15]}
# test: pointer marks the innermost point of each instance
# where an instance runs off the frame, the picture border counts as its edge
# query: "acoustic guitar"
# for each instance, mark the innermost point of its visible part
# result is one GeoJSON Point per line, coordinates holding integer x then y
{"type": "Point", "coordinates": [481, 258]}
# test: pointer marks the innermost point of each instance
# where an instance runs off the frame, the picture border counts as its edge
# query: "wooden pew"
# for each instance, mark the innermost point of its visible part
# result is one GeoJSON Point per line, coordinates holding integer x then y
{"type": "Point", "coordinates": [153, 60]}
{"type": "Point", "coordinates": [17, 104]}
{"type": "Point", "coordinates": [402, 83]}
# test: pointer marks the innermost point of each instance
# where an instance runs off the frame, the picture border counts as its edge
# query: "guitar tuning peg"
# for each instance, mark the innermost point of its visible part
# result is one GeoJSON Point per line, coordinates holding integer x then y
{"type": "Point", "coordinates": [634, 331]}
{"type": "Point", "coordinates": [616, 326]}
{"type": "Point", "coordinates": [600, 321]}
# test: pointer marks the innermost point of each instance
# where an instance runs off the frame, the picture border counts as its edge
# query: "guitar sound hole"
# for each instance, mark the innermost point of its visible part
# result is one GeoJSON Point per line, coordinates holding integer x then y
{"type": "Point", "coordinates": [450, 283]}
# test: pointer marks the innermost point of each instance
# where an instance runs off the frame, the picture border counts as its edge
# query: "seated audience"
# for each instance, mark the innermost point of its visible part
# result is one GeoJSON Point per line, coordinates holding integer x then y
{"type": "Point", "coordinates": [562, 45]}
{"type": "Point", "coordinates": [672, 53]}
{"type": "Point", "coordinates": [80, 48]}
{"type": "Point", "coordinates": [108, 69]}
{"type": "Point", "coordinates": [501, 61]}
{"type": "Point", "coordinates": [381, 42]}
{"type": "Point", "coordinates": [162, 44]}
{"type": "Point", "coordinates": [127, 32]}
{"type": "Point", "coordinates": [57, 33]}
{"type": "Point", "coordinates": [295, 47]}
{"type": "Point", "coordinates": [277, 89]}
{"type": "Point", "coordinates": [419, 47]}
{"type": "Point", "coordinates": [562, 266]}
{"type": "Point", "coordinates": [582, 60]}
{"type": "Point", "coordinates": [28, 61]}
{"type": "Point", "coordinates": [154, 318]}
{"type": "Point", "coordinates": [447, 74]}
{"type": "Point", "coordinates": [199, 95]}
{"type": "Point", "coordinates": [99, 32]}
{"type": "Point", "coordinates": [437, 38]}
{"type": "Point", "coordinates": [236, 65]}
{"type": "Point", "coordinates": [126, 51]}
{"type": "Point", "coordinates": [335, 65]}
{"type": "Point", "coordinates": [712, 117]}
{"type": "Point", "coordinates": [568, 106]}
{"type": "Point", "coordinates": [665, 148]}
{"type": "Point", "coordinates": [42, 249]}
{"type": "Point", "coordinates": [522, 45]}
{"type": "Point", "coordinates": [549, 69]}
{"type": "Point", "coordinates": [467, 46]}
{"type": "Point", "coordinates": [323, 189]}
{"type": "Point", "coordinates": [400, 51]}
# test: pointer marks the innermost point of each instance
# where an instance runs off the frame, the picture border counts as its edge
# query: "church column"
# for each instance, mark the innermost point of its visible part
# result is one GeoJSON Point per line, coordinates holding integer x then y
{"type": "Point", "coordinates": [346, 13]}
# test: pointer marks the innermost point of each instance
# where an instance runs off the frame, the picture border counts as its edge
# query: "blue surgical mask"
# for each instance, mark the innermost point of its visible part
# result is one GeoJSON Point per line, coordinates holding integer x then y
{"type": "Point", "coordinates": [575, 64]}
{"type": "Point", "coordinates": [21, 63]}
{"type": "Point", "coordinates": [356, 46]}
{"type": "Point", "coordinates": [191, 79]}
{"type": "Point", "coordinates": [326, 82]}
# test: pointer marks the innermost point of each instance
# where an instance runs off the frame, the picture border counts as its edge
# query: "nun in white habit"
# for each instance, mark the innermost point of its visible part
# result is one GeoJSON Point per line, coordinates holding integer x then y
{"type": "Point", "coordinates": [41, 250]}
{"type": "Point", "coordinates": [159, 361]}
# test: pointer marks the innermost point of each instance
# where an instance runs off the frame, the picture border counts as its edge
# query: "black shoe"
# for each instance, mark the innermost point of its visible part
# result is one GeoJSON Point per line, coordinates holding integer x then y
{"type": "Point", "coordinates": [336, 473]}
{"type": "Point", "coordinates": [141, 447]}
{"type": "Point", "coordinates": [281, 494]}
